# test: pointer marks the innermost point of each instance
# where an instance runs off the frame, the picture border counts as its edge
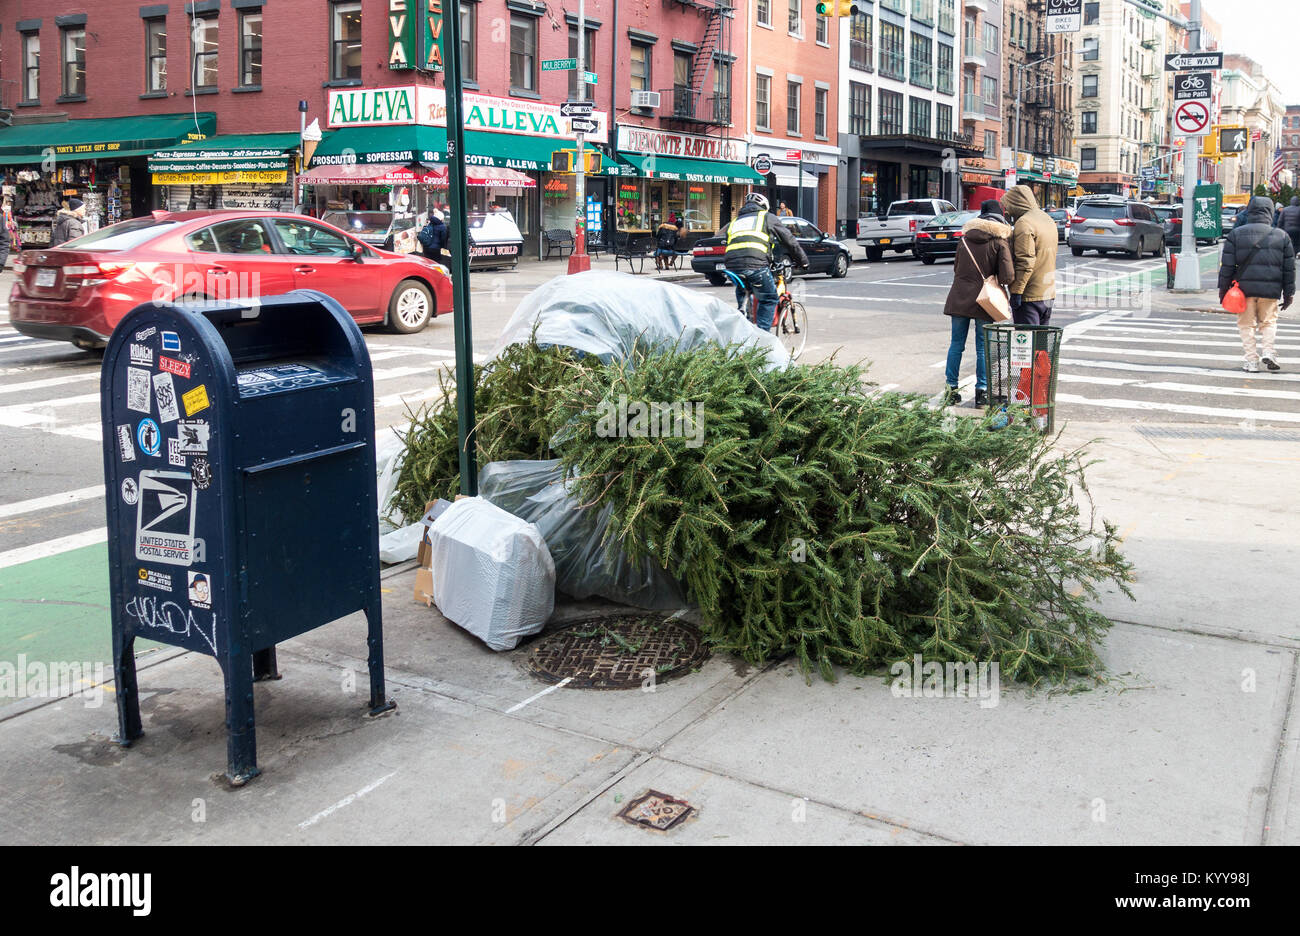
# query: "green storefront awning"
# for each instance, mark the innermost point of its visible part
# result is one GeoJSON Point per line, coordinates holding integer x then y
{"type": "Point", "coordinates": [247, 152]}
{"type": "Point", "coordinates": [102, 138]}
{"type": "Point", "coordinates": [428, 145]}
{"type": "Point", "coordinates": [512, 150]}
{"type": "Point", "coordinates": [674, 168]}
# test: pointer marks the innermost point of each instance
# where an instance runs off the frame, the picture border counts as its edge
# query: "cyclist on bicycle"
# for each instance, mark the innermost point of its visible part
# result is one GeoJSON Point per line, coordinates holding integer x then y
{"type": "Point", "coordinates": [750, 241]}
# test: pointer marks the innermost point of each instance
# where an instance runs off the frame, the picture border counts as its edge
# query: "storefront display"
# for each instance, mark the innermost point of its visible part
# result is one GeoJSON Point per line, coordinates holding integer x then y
{"type": "Point", "coordinates": [229, 171]}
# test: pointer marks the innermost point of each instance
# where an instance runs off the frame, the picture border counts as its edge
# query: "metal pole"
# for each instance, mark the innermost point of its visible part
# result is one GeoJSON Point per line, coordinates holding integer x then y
{"type": "Point", "coordinates": [578, 260]}
{"type": "Point", "coordinates": [1187, 276]}
{"type": "Point", "coordinates": [459, 234]}
{"type": "Point", "coordinates": [1020, 87]}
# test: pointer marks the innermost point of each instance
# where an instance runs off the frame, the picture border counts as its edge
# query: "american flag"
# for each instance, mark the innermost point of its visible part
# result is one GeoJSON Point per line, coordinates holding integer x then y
{"type": "Point", "coordinates": [1278, 165]}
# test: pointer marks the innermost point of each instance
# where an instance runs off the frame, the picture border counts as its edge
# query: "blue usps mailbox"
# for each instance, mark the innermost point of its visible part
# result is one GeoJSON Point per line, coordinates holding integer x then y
{"type": "Point", "coordinates": [239, 460]}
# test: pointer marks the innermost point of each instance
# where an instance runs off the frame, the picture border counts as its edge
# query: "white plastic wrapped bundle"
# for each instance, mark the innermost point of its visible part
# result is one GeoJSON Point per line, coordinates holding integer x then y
{"type": "Point", "coordinates": [605, 314]}
{"type": "Point", "coordinates": [492, 572]}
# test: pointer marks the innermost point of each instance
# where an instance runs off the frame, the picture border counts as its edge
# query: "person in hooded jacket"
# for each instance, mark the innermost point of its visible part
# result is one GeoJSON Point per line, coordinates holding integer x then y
{"type": "Point", "coordinates": [433, 238]}
{"type": "Point", "coordinates": [1289, 221]}
{"type": "Point", "coordinates": [69, 223]}
{"type": "Point", "coordinates": [752, 239]}
{"type": "Point", "coordinates": [1260, 259]}
{"type": "Point", "coordinates": [985, 251]}
{"type": "Point", "coordinates": [1033, 248]}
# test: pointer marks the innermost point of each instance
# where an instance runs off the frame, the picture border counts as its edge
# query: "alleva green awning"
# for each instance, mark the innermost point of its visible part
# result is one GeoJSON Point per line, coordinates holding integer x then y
{"type": "Point", "coordinates": [101, 137]}
{"type": "Point", "coordinates": [247, 152]}
{"type": "Point", "coordinates": [677, 169]}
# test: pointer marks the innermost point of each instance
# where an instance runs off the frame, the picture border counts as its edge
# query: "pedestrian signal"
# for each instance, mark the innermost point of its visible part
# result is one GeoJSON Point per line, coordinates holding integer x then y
{"type": "Point", "coordinates": [562, 160]}
{"type": "Point", "coordinates": [566, 161]}
{"type": "Point", "coordinates": [837, 8]}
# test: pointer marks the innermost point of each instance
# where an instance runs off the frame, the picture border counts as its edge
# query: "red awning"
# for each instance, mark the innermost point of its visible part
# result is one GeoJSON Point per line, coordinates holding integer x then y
{"type": "Point", "coordinates": [494, 177]}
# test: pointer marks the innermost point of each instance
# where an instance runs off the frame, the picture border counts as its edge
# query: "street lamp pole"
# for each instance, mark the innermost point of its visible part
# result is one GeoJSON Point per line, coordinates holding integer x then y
{"type": "Point", "coordinates": [1187, 276]}
{"type": "Point", "coordinates": [578, 260]}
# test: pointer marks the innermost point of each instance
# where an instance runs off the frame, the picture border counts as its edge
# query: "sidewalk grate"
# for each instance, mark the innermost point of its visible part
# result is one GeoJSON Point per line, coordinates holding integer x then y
{"type": "Point", "coordinates": [623, 651]}
{"type": "Point", "coordinates": [655, 810]}
{"type": "Point", "coordinates": [1219, 432]}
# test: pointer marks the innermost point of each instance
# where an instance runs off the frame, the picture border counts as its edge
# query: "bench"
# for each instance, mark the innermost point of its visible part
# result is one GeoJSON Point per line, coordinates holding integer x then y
{"type": "Point", "coordinates": [558, 240]}
{"type": "Point", "coordinates": [632, 248]}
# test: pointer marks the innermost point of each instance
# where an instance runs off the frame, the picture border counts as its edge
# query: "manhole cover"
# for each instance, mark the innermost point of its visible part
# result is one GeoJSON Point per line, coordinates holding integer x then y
{"type": "Point", "coordinates": [655, 810]}
{"type": "Point", "coordinates": [624, 651]}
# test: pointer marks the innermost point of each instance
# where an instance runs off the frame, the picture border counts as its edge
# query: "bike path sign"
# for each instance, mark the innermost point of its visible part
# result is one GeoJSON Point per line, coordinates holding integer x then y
{"type": "Point", "coordinates": [1193, 86]}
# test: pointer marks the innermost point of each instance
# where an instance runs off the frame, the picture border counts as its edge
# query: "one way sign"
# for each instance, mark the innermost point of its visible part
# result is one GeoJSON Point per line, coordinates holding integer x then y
{"type": "Point", "coordinates": [577, 108]}
{"type": "Point", "coordinates": [583, 125]}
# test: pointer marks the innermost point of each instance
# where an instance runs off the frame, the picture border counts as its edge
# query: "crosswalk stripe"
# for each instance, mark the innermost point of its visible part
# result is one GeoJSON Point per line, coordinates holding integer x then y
{"type": "Point", "coordinates": [47, 382]}
{"type": "Point", "coordinates": [1201, 342]}
{"type": "Point", "coordinates": [1145, 352]}
{"type": "Point", "coordinates": [394, 372]}
{"type": "Point", "coordinates": [50, 500]}
{"type": "Point", "coordinates": [27, 414]}
{"type": "Point", "coordinates": [1146, 368]}
{"type": "Point", "coordinates": [1182, 408]}
{"type": "Point", "coordinates": [14, 338]}
{"type": "Point", "coordinates": [52, 547]}
{"type": "Point", "coordinates": [1179, 387]}
{"type": "Point", "coordinates": [34, 346]}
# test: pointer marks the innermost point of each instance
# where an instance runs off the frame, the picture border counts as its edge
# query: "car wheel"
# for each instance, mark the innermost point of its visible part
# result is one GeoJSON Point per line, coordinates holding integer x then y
{"type": "Point", "coordinates": [410, 307]}
{"type": "Point", "coordinates": [841, 268]}
{"type": "Point", "coordinates": [1136, 254]}
{"type": "Point", "coordinates": [1077, 251]}
{"type": "Point", "coordinates": [927, 259]}
{"type": "Point", "coordinates": [874, 254]}
{"type": "Point", "coordinates": [716, 279]}
{"type": "Point", "coordinates": [1160, 248]}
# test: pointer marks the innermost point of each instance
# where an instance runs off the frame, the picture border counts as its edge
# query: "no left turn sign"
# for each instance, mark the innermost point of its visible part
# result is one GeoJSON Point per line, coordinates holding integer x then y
{"type": "Point", "coordinates": [1192, 118]}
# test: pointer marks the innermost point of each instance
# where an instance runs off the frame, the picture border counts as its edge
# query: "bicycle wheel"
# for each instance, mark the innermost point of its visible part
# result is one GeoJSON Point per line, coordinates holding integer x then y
{"type": "Point", "coordinates": [791, 326]}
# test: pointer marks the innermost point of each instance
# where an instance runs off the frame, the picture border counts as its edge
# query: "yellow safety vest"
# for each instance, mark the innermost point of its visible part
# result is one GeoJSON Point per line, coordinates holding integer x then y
{"type": "Point", "coordinates": [749, 234]}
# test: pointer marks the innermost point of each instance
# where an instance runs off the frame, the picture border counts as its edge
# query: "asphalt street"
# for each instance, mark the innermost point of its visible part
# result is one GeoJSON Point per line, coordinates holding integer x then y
{"type": "Point", "coordinates": [1129, 354]}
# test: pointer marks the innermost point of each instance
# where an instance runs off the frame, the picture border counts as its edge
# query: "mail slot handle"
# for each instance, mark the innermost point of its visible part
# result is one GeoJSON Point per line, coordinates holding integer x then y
{"type": "Point", "coordinates": [305, 457]}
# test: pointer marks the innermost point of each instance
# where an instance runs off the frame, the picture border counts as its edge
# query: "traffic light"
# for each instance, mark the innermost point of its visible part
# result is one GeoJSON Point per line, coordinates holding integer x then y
{"type": "Point", "coordinates": [837, 8]}
{"type": "Point", "coordinates": [1233, 140]}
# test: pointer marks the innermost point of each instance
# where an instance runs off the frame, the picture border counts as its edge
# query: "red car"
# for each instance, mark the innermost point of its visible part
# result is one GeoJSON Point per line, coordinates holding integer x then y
{"type": "Point", "coordinates": [80, 290]}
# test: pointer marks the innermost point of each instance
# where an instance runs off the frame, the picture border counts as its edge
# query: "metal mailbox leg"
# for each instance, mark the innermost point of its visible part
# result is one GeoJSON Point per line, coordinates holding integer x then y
{"type": "Point", "coordinates": [264, 665]}
{"type": "Point", "coordinates": [241, 737]}
{"type": "Point", "coordinates": [128, 691]}
{"type": "Point", "coordinates": [375, 641]}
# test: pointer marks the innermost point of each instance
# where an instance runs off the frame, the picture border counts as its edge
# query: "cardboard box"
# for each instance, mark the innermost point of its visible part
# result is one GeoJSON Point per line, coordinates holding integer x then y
{"type": "Point", "coordinates": [424, 555]}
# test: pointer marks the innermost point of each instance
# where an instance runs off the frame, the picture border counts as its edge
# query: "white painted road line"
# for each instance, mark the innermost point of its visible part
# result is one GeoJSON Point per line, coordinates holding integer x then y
{"type": "Point", "coordinates": [537, 695]}
{"type": "Point", "coordinates": [31, 414]}
{"type": "Point", "coordinates": [52, 547]}
{"type": "Point", "coordinates": [1183, 408]}
{"type": "Point", "coordinates": [1143, 352]}
{"type": "Point", "coordinates": [346, 801]}
{"type": "Point", "coordinates": [50, 500]}
{"type": "Point", "coordinates": [1201, 341]}
{"type": "Point", "coordinates": [36, 345]}
{"type": "Point", "coordinates": [1143, 367]}
{"type": "Point", "coordinates": [48, 382]}
{"type": "Point", "coordinates": [1179, 387]}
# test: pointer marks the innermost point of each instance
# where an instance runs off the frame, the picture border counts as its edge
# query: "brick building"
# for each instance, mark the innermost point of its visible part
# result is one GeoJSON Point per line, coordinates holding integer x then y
{"type": "Point", "coordinates": [1039, 69]}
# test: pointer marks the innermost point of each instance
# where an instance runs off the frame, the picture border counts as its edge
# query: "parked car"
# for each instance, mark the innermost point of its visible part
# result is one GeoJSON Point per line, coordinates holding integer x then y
{"type": "Point", "coordinates": [1062, 219]}
{"type": "Point", "coordinates": [896, 231]}
{"type": "Point", "coordinates": [373, 227]}
{"type": "Point", "coordinates": [1115, 223]}
{"type": "Point", "coordinates": [1228, 220]}
{"type": "Point", "coordinates": [825, 253]}
{"type": "Point", "coordinates": [80, 290]}
{"type": "Point", "coordinates": [1171, 219]}
{"type": "Point", "coordinates": [941, 236]}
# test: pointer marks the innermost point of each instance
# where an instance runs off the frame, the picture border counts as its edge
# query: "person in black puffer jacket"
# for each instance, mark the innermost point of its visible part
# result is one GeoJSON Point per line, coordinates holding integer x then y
{"type": "Point", "coordinates": [1289, 221]}
{"type": "Point", "coordinates": [1261, 260]}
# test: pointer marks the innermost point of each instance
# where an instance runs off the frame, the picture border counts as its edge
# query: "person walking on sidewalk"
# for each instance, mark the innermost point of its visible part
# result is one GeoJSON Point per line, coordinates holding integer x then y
{"type": "Point", "coordinates": [1033, 248]}
{"type": "Point", "coordinates": [985, 251]}
{"type": "Point", "coordinates": [1289, 222]}
{"type": "Point", "coordinates": [750, 241]}
{"type": "Point", "coordinates": [433, 238]}
{"type": "Point", "coordinates": [1260, 259]}
{"type": "Point", "coordinates": [70, 223]}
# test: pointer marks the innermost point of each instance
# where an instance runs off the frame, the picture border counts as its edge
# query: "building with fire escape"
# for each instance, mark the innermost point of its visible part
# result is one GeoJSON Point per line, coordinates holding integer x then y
{"type": "Point", "coordinates": [981, 96]}
{"type": "Point", "coordinates": [1038, 101]}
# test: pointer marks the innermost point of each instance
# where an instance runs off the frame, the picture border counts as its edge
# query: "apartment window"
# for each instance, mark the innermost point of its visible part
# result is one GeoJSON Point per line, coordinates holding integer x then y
{"type": "Point", "coordinates": [73, 40]}
{"type": "Point", "coordinates": [859, 109]}
{"type": "Point", "coordinates": [991, 41]}
{"type": "Point", "coordinates": [947, 16]}
{"type": "Point", "coordinates": [990, 144]}
{"type": "Point", "coordinates": [923, 11]}
{"type": "Point", "coordinates": [1091, 14]}
{"type": "Point", "coordinates": [795, 24]}
{"type": "Point", "coordinates": [763, 10]}
{"type": "Point", "coordinates": [523, 53]}
{"type": "Point", "coordinates": [918, 117]}
{"type": "Point", "coordinates": [943, 121]}
{"type": "Point", "coordinates": [578, 89]}
{"type": "Point", "coordinates": [640, 67]}
{"type": "Point", "coordinates": [823, 29]}
{"type": "Point", "coordinates": [989, 89]}
{"type": "Point", "coordinates": [891, 50]}
{"type": "Point", "coordinates": [721, 92]}
{"type": "Point", "coordinates": [1091, 49]}
{"type": "Point", "coordinates": [891, 112]}
{"type": "Point", "coordinates": [763, 102]}
{"type": "Point", "coordinates": [819, 113]}
{"type": "Point", "coordinates": [345, 42]}
{"type": "Point", "coordinates": [203, 41]}
{"type": "Point", "coordinates": [468, 43]}
{"type": "Point", "coordinates": [31, 66]}
{"type": "Point", "coordinates": [155, 53]}
{"type": "Point", "coordinates": [1089, 124]}
{"type": "Point", "coordinates": [682, 104]}
{"type": "Point", "coordinates": [860, 41]}
{"type": "Point", "coordinates": [1089, 86]}
{"type": "Point", "coordinates": [1088, 158]}
{"type": "Point", "coordinates": [250, 49]}
{"type": "Point", "coordinates": [792, 91]}
{"type": "Point", "coordinates": [944, 73]}
{"type": "Point", "coordinates": [922, 62]}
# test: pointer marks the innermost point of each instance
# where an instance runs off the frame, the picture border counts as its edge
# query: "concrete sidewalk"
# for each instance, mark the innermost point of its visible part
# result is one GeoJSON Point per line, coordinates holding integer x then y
{"type": "Point", "coordinates": [1187, 743]}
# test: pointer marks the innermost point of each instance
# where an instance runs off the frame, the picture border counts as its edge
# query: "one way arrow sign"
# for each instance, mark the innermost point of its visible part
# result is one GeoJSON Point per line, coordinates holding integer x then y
{"type": "Point", "coordinates": [577, 108]}
{"type": "Point", "coordinates": [1183, 61]}
{"type": "Point", "coordinates": [583, 125]}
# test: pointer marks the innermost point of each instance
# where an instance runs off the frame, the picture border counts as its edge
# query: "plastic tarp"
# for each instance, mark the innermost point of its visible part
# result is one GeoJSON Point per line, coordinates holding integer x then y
{"type": "Point", "coordinates": [492, 572]}
{"type": "Point", "coordinates": [607, 314]}
{"type": "Point", "coordinates": [535, 491]}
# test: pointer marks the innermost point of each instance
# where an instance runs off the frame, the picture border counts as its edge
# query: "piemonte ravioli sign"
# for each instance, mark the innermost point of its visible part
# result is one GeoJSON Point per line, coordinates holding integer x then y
{"type": "Point", "coordinates": [375, 107]}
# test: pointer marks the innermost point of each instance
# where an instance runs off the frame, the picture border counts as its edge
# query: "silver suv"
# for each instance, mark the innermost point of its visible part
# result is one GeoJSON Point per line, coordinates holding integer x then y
{"type": "Point", "coordinates": [1116, 223]}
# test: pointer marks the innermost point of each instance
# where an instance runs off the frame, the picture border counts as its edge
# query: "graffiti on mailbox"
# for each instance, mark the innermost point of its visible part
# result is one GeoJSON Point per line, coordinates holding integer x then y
{"type": "Point", "coordinates": [167, 615]}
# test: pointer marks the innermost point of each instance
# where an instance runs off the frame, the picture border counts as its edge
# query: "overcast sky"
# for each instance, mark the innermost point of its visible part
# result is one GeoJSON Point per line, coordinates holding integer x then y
{"type": "Point", "coordinates": [1269, 32]}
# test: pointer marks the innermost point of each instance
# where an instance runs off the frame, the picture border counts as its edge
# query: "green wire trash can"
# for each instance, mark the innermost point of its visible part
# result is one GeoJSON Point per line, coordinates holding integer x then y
{"type": "Point", "coordinates": [1022, 362]}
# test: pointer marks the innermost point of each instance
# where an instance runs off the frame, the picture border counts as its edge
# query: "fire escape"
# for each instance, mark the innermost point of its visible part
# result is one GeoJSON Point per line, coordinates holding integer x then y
{"type": "Point", "coordinates": [1051, 122]}
{"type": "Point", "coordinates": [702, 101]}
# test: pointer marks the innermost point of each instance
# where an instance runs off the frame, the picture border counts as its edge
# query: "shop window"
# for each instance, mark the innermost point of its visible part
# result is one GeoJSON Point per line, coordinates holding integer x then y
{"type": "Point", "coordinates": [74, 62]}
{"type": "Point", "coordinates": [859, 109]}
{"type": "Point", "coordinates": [250, 49]}
{"type": "Point", "coordinates": [523, 53]}
{"type": "Point", "coordinates": [578, 89]}
{"type": "Point", "coordinates": [468, 35]}
{"type": "Point", "coordinates": [345, 42]}
{"type": "Point", "coordinates": [155, 52]}
{"type": "Point", "coordinates": [1089, 86]}
{"type": "Point", "coordinates": [203, 44]}
{"type": "Point", "coordinates": [1088, 159]}
{"type": "Point", "coordinates": [793, 90]}
{"type": "Point", "coordinates": [1089, 123]}
{"type": "Point", "coordinates": [763, 102]}
{"type": "Point", "coordinates": [860, 41]}
{"type": "Point", "coordinates": [819, 113]}
{"type": "Point", "coordinates": [31, 67]}
{"type": "Point", "coordinates": [918, 115]}
{"type": "Point", "coordinates": [891, 112]}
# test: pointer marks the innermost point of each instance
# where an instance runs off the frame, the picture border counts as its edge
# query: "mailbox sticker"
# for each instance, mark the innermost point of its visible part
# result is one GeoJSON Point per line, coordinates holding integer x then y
{"type": "Point", "coordinates": [172, 366]}
{"type": "Point", "coordinates": [192, 436]}
{"type": "Point", "coordinates": [130, 491]}
{"type": "Point", "coordinates": [148, 435]}
{"type": "Point", "coordinates": [202, 472]}
{"type": "Point", "coordinates": [171, 341]}
{"type": "Point", "coordinates": [174, 454]}
{"type": "Point", "coordinates": [159, 580]}
{"type": "Point", "coordinates": [165, 391]}
{"type": "Point", "coordinates": [144, 333]}
{"type": "Point", "coordinates": [141, 355]}
{"type": "Point", "coordinates": [200, 590]}
{"type": "Point", "coordinates": [137, 390]}
{"type": "Point", "coordinates": [164, 521]}
{"type": "Point", "coordinates": [196, 400]}
{"type": "Point", "coordinates": [125, 448]}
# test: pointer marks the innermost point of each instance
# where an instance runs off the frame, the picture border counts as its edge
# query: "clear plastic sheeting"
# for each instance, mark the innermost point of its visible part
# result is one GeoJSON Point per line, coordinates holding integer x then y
{"type": "Point", "coordinates": [389, 452]}
{"type": "Point", "coordinates": [607, 314]}
{"type": "Point", "coordinates": [402, 544]}
{"type": "Point", "coordinates": [492, 572]}
{"type": "Point", "coordinates": [534, 491]}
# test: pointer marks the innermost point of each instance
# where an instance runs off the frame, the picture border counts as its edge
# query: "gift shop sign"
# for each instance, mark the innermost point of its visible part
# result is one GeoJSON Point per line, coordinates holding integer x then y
{"type": "Point", "coordinates": [374, 107]}
{"type": "Point", "coordinates": [686, 145]}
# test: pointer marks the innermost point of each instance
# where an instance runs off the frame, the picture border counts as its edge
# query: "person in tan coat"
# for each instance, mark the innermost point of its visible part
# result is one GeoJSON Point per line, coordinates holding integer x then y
{"type": "Point", "coordinates": [1033, 246]}
{"type": "Point", "coordinates": [985, 251]}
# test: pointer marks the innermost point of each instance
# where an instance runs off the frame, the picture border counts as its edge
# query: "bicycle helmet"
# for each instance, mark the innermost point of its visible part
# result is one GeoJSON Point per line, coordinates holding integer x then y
{"type": "Point", "coordinates": [757, 198]}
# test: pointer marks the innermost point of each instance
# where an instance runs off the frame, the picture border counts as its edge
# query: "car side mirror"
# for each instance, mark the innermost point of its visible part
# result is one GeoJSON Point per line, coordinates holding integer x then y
{"type": "Point", "coordinates": [358, 252]}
